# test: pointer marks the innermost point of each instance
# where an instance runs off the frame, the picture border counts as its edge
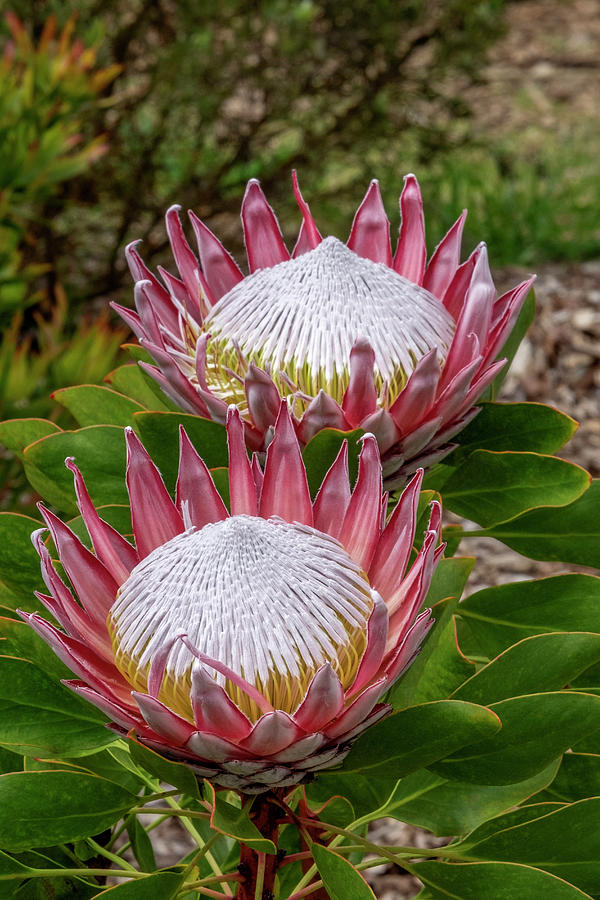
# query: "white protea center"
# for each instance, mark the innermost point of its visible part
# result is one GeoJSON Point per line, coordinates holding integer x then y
{"type": "Point", "coordinates": [302, 317]}
{"type": "Point", "coordinates": [271, 600]}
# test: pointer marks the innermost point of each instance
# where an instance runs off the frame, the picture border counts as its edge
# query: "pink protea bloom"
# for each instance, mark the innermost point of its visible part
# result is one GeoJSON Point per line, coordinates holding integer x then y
{"type": "Point", "coordinates": [254, 645]}
{"type": "Point", "coordinates": [353, 335]}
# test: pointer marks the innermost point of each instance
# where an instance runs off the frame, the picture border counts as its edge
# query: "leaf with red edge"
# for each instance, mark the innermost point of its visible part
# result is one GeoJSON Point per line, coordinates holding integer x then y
{"type": "Point", "coordinates": [235, 823]}
{"type": "Point", "coordinates": [339, 876]}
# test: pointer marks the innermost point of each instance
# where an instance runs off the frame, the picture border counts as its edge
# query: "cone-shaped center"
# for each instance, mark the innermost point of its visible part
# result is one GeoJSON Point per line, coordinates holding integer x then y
{"type": "Point", "coordinates": [302, 317]}
{"type": "Point", "coordinates": [270, 599]}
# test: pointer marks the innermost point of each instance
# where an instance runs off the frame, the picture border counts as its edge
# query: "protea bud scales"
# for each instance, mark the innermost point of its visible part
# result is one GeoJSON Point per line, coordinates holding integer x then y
{"type": "Point", "coordinates": [255, 643]}
{"type": "Point", "coordinates": [353, 335]}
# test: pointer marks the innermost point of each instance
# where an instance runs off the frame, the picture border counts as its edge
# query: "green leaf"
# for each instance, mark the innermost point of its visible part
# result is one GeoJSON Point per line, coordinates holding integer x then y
{"type": "Point", "coordinates": [99, 451]}
{"type": "Point", "coordinates": [439, 668]}
{"type": "Point", "coordinates": [112, 763]}
{"type": "Point", "coordinates": [10, 866]}
{"type": "Point", "coordinates": [10, 762]}
{"type": "Point", "coordinates": [220, 477]}
{"type": "Point", "coordinates": [414, 737]}
{"type": "Point", "coordinates": [536, 729]}
{"type": "Point", "coordinates": [492, 487]}
{"type": "Point", "coordinates": [544, 662]}
{"type": "Point", "coordinates": [563, 841]}
{"type": "Point", "coordinates": [524, 320]}
{"type": "Point", "coordinates": [515, 426]}
{"type": "Point", "coordinates": [38, 809]}
{"type": "Point", "coordinates": [321, 451]}
{"type": "Point", "coordinates": [16, 434]}
{"type": "Point", "coordinates": [577, 778]}
{"type": "Point", "coordinates": [235, 823]}
{"type": "Point", "coordinates": [491, 881]}
{"type": "Point", "coordinates": [498, 617]}
{"type": "Point", "coordinates": [366, 794]}
{"type": "Point", "coordinates": [449, 579]}
{"type": "Point", "coordinates": [39, 717]}
{"type": "Point", "coordinates": [17, 638]}
{"type": "Point", "coordinates": [133, 382]}
{"type": "Point", "coordinates": [141, 844]}
{"type": "Point", "coordinates": [339, 876]}
{"type": "Point", "coordinates": [19, 562]}
{"type": "Point", "coordinates": [177, 774]}
{"type": "Point", "coordinates": [159, 432]}
{"type": "Point", "coordinates": [570, 534]}
{"type": "Point", "coordinates": [93, 404]}
{"type": "Point", "coordinates": [163, 885]}
{"type": "Point", "coordinates": [454, 807]}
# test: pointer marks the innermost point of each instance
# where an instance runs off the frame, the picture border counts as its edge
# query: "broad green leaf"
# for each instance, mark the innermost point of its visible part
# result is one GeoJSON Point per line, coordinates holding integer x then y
{"type": "Point", "coordinates": [515, 426]}
{"type": "Point", "coordinates": [366, 794]}
{"type": "Point", "coordinates": [19, 562]}
{"type": "Point", "coordinates": [141, 844]}
{"type": "Point", "coordinates": [10, 601]}
{"type": "Point", "coordinates": [17, 638]}
{"type": "Point", "coordinates": [570, 534]}
{"type": "Point", "coordinates": [493, 487]}
{"type": "Point", "coordinates": [235, 822]}
{"type": "Point", "coordinates": [220, 477]}
{"type": "Point", "coordinates": [336, 811]}
{"type": "Point", "coordinates": [10, 762]}
{"type": "Point", "coordinates": [39, 809]}
{"type": "Point", "coordinates": [577, 778]}
{"type": "Point", "coordinates": [491, 881]}
{"type": "Point", "coordinates": [543, 662]}
{"type": "Point", "coordinates": [498, 617]}
{"type": "Point", "coordinates": [517, 816]}
{"type": "Point", "coordinates": [449, 579]}
{"type": "Point", "coordinates": [163, 885]}
{"type": "Point", "coordinates": [159, 432]}
{"type": "Point", "coordinates": [321, 451]}
{"type": "Point", "coordinates": [524, 320]}
{"type": "Point", "coordinates": [452, 536]}
{"type": "Point", "coordinates": [440, 666]}
{"type": "Point", "coordinates": [177, 774]}
{"type": "Point", "coordinates": [107, 763]}
{"type": "Point", "coordinates": [40, 717]}
{"type": "Point", "coordinates": [414, 737]}
{"type": "Point", "coordinates": [536, 729]}
{"type": "Point", "coordinates": [94, 404]}
{"type": "Point", "coordinates": [565, 841]}
{"type": "Point", "coordinates": [455, 807]}
{"type": "Point", "coordinates": [135, 383]}
{"type": "Point", "coordinates": [339, 876]}
{"type": "Point", "coordinates": [139, 353]}
{"type": "Point", "coordinates": [16, 434]}
{"type": "Point", "coordinates": [99, 451]}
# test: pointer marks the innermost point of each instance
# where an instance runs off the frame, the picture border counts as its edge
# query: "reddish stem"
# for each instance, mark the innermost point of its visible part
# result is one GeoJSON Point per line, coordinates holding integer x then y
{"type": "Point", "coordinates": [265, 814]}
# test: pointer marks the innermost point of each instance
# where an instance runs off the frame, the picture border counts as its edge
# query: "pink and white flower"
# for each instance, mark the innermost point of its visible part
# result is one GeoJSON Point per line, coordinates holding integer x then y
{"type": "Point", "coordinates": [254, 643]}
{"type": "Point", "coordinates": [352, 334]}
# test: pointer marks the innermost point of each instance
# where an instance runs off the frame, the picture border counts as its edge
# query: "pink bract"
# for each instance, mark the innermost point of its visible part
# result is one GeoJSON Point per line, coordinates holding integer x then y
{"type": "Point", "coordinates": [352, 334]}
{"type": "Point", "coordinates": [170, 638]}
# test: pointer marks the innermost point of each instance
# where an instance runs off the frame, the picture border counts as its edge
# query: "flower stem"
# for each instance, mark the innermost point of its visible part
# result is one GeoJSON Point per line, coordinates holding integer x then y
{"type": "Point", "coordinates": [258, 869]}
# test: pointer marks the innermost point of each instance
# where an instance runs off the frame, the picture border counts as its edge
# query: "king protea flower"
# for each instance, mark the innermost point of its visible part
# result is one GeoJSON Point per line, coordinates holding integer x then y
{"type": "Point", "coordinates": [255, 644]}
{"type": "Point", "coordinates": [353, 335]}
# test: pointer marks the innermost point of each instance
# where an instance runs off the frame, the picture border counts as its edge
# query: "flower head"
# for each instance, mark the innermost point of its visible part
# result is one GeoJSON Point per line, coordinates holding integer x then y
{"type": "Point", "coordinates": [254, 643]}
{"type": "Point", "coordinates": [350, 334]}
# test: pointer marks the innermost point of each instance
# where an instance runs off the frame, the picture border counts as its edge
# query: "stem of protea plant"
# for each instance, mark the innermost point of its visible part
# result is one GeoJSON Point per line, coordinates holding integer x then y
{"type": "Point", "coordinates": [259, 869]}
